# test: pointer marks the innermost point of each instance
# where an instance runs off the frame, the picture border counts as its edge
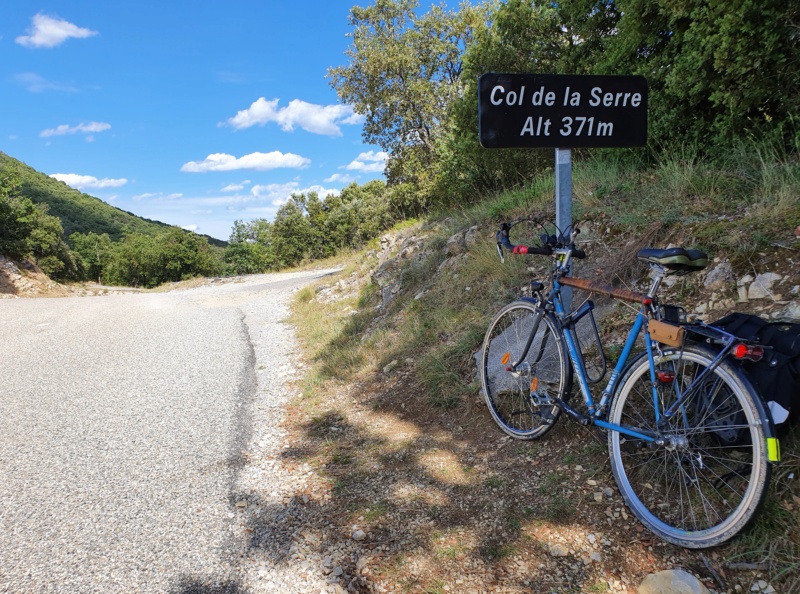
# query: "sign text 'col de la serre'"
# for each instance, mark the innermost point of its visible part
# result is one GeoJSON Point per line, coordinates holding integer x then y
{"type": "Point", "coordinates": [561, 111]}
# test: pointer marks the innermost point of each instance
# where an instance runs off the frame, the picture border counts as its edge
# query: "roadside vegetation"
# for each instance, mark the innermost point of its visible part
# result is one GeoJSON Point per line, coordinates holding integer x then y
{"type": "Point", "coordinates": [390, 414]}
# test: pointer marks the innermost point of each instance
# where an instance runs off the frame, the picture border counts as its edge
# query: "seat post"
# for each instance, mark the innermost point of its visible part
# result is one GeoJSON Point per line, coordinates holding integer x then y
{"type": "Point", "coordinates": [660, 273]}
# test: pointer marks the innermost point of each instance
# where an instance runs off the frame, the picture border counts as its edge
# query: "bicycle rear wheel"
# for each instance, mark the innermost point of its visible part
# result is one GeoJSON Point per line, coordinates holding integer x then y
{"type": "Point", "coordinates": [514, 396]}
{"type": "Point", "coordinates": [709, 481]}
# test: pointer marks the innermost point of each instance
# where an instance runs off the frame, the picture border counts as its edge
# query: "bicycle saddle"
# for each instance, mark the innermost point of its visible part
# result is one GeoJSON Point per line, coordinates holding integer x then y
{"type": "Point", "coordinates": [675, 260]}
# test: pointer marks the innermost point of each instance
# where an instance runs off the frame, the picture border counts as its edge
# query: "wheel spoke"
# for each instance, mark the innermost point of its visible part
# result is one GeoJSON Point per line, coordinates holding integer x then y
{"type": "Point", "coordinates": [514, 394]}
{"type": "Point", "coordinates": [709, 475]}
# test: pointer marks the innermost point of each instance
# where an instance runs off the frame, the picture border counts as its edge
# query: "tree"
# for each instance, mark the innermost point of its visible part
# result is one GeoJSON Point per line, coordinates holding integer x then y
{"type": "Point", "coordinates": [717, 70]}
{"type": "Point", "coordinates": [172, 255]}
{"type": "Point", "coordinates": [13, 228]}
{"type": "Point", "coordinates": [250, 248]}
{"type": "Point", "coordinates": [292, 234]}
{"type": "Point", "coordinates": [95, 252]}
{"type": "Point", "coordinates": [403, 75]}
{"type": "Point", "coordinates": [27, 231]}
{"type": "Point", "coordinates": [517, 36]}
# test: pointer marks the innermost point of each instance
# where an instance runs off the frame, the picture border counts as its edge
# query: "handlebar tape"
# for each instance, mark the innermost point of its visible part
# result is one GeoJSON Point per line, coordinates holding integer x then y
{"type": "Point", "coordinates": [525, 249]}
{"type": "Point", "coordinates": [545, 250]}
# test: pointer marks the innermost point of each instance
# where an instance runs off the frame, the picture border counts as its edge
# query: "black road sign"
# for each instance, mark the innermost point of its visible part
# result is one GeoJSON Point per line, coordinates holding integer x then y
{"type": "Point", "coordinates": [561, 111]}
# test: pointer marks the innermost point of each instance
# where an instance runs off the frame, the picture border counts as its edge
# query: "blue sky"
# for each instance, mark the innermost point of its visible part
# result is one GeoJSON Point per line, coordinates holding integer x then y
{"type": "Point", "coordinates": [192, 113]}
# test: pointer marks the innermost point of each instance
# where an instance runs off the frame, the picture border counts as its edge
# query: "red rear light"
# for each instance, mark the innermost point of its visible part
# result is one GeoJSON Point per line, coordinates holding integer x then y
{"type": "Point", "coordinates": [750, 352]}
{"type": "Point", "coordinates": [665, 377]}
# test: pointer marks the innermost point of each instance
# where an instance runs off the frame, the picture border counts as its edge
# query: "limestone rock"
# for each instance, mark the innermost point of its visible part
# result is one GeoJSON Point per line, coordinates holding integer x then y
{"type": "Point", "coordinates": [472, 236]}
{"type": "Point", "coordinates": [456, 245]}
{"type": "Point", "coordinates": [761, 287]}
{"type": "Point", "coordinates": [672, 581]}
{"type": "Point", "coordinates": [791, 312]}
{"type": "Point", "coordinates": [719, 277]}
{"type": "Point", "coordinates": [559, 550]}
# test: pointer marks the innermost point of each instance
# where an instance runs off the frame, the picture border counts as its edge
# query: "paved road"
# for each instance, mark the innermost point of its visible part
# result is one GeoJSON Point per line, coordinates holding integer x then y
{"type": "Point", "coordinates": [122, 422]}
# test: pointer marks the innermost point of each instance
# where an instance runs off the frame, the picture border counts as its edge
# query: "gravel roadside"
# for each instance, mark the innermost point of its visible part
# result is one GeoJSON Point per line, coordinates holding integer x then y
{"type": "Point", "coordinates": [139, 439]}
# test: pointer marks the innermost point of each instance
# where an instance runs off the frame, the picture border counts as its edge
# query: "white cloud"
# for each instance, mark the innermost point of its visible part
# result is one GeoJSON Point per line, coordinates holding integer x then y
{"type": "Point", "coordinates": [81, 182]}
{"type": "Point", "coordinates": [257, 161]}
{"type": "Point", "coordinates": [90, 128]}
{"type": "Point", "coordinates": [190, 227]}
{"type": "Point", "coordinates": [157, 196]}
{"type": "Point", "coordinates": [36, 84]}
{"type": "Point", "coordinates": [236, 187]}
{"type": "Point", "coordinates": [278, 194]}
{"type": "Point", "coordinates": [369, 162]}
{"type": "Point", "coordinates": [342, 178]}
{"type": "Point", "coordinates": [47, 31]}
{"type": "Point", "coordinates": [318, 119]}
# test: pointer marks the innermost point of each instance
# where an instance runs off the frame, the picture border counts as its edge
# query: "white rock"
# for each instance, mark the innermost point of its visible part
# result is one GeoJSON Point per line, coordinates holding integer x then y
{"type": "Point", "coordinates": [559, 550]}
{"type": "Point", "coordinates": [762, 587]}
{"type": "Point", "coordinates": [672, 581]}
{"type": "Point", "coordinates": [791, 311]}
{"type": "Point", "coordinates": [456, 244]}
{"type": "Point", "coordinates": [744, 280]}
{"type": "Point", "coordinates": [472, 236]}
{"type": "Point", "coordinates": [742, 290]}
{"type": "Point", "coordinates": [719, 276]}
{"type": "Point", "coordinates": [761, 287]}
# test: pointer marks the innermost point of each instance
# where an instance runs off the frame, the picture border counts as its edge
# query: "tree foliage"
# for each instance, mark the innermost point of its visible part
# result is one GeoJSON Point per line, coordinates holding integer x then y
{"type": "Point", "coordinates": [28, 231]}
{"type": "Point", "coordinates": [307, 228]}
{"type": "Point", "coordinates": [403, 76]}
{"type": "Point", "coordinates": [717, 72]}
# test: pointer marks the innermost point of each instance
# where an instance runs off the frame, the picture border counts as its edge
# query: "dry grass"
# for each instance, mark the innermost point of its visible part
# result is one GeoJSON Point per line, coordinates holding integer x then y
{"type": "Point", "coordinates": [410, 453]}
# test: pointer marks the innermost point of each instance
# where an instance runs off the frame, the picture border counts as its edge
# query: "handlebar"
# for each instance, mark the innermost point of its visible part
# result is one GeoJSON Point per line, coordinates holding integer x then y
{"type": "Point", "coordinates": [549, 242]}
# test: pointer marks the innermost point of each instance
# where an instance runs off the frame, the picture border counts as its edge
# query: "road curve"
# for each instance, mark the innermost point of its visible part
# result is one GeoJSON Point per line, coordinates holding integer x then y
{"type": "Point", "coordinates": [122, 423]}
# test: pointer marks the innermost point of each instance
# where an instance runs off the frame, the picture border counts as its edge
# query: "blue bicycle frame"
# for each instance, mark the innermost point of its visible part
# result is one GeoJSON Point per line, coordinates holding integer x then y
{"type": "Point", "coordinates": [596, 413]}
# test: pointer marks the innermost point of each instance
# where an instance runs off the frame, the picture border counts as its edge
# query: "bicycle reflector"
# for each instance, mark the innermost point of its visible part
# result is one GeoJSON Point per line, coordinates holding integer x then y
{"type": "Point", "coordinates": [665, 377]}
{"type": "Point", "coordinates": [750, 352]}
{"type": "Point", "coordinates": [505, 359]}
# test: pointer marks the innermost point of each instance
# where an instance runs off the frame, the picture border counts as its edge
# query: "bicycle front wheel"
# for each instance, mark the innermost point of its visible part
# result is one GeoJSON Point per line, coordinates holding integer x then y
{"type": "Point", "coordinates": [520, 397]}
{"type": "Point", "coordinates": [710, 478]}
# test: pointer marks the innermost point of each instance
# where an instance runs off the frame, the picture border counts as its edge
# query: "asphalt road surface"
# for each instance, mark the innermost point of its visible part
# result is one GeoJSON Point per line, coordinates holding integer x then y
{"type": "Point", "coordinates": [122, 422]}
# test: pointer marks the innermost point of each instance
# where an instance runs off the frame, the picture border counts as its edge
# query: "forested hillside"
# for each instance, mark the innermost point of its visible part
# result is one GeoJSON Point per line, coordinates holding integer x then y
{"type": "Point", "coordinates": [73, 236]}
{"type": "Point", "coordinates": [76, 211]}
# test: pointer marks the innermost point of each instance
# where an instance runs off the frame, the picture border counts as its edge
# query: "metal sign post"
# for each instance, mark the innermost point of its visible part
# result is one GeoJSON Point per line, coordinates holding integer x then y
{"type": "Point", "coordinates": [562, 111]}
{"type": "Point", "coordinates": [564, 203]}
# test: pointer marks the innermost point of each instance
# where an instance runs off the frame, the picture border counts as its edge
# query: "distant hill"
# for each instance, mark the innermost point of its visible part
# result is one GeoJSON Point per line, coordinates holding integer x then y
{"type": "Point", "coordinates": [78, 211]}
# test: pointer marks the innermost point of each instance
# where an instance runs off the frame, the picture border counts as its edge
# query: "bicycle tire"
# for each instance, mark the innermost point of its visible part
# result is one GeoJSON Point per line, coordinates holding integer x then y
{"type": "Point", "coordinates": [716, 465]}
{"type": "Point", "coordinates": [508, 393]}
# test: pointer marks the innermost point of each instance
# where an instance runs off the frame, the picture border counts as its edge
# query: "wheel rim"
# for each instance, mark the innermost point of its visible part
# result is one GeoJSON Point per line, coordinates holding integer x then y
{"type": "Point", "coordinates": [509, 392]}
{"type": "Point", "coordinates": [702, 483]}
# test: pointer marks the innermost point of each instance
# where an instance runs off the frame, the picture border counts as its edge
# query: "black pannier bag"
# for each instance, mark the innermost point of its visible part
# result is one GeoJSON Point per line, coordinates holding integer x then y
{"type": "Point", "coordinates": [776, 377]}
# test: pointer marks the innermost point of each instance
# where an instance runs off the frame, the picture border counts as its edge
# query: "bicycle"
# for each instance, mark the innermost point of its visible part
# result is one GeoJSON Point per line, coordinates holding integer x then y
{"type": "Point", "coordinates": [690, 442]}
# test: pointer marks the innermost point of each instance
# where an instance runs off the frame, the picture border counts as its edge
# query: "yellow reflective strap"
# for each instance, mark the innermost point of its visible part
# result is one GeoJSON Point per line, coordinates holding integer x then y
{"type": "Point", "coordinates": [773, 449]}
